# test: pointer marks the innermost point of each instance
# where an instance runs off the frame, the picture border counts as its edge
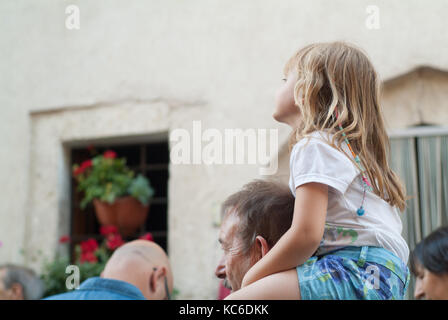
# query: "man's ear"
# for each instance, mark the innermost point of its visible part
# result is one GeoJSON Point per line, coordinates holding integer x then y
{"type": "Point", "coordinates": [153, 280]}
{"type": "Point", "coordinates": [161, 272]}
{"type": "Point", "coordinates": [262, 246]}
{"type": "Point", "coordinates": [156, 274]}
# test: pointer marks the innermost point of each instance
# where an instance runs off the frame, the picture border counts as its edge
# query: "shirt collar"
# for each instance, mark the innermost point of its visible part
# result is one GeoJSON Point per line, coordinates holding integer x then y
{"type": "Point", "coordinates": [118, 286]}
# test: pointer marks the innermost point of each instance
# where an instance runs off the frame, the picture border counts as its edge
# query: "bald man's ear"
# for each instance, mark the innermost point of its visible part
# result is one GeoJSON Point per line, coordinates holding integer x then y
{"type": "Point", "coordinates": [156, 275]}
{"type": "Point", "coordinates": [152, 282]}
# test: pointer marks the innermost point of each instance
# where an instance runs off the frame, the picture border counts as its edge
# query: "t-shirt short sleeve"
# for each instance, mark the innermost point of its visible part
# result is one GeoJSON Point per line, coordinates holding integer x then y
{"type": "Point", "coordinates": [314, 160]}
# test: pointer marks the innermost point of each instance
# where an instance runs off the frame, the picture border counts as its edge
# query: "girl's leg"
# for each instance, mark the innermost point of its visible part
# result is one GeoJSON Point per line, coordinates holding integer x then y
{"type": "Point", "coordinates": [279, 286]}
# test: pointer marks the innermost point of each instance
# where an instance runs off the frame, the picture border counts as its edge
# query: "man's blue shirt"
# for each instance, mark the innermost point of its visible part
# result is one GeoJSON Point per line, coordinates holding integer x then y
{"type": "Point", "coordinates": [101, 289]}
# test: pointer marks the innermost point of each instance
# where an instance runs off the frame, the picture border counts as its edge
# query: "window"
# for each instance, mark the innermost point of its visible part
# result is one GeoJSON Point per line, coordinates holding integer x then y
{"type": "Point", "coordinates": [149, 159]}
{"type": "Point", "coordinates": [420, 157]}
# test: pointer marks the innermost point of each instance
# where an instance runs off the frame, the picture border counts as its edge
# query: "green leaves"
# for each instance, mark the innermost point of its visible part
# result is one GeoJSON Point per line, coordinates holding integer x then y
{"type": "Point", "coordinates": [54, 273]}
{"type": "Point", "coordinates": [141, 189]}
{"type": "Point", "coordinates": [109, 179]}
{"type": "Point", "coordinates": [54, 276]}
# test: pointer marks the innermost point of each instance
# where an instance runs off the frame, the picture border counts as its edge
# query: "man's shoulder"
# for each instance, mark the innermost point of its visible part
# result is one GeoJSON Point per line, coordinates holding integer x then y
{"type": "Point", "coordinates": [73, 295]}
{"type": "Point", "coordinates": [101, 289]}
{"type": "Point", "coordinates": [79, 294]}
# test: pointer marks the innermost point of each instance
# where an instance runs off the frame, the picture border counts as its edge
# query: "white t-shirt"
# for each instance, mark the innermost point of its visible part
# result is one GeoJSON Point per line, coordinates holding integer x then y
{"type": "Point", "coordinates": [313, 160]}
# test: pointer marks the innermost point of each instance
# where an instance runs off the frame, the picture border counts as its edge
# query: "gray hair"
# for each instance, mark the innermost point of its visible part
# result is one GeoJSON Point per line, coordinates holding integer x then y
{"type": "Point", "coordinates": [265, 208]}
{"type": "Point", "coordinates": [32, 285]}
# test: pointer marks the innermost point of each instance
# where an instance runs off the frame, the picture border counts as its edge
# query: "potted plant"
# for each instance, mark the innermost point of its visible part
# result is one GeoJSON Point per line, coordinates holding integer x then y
{"type": "Point", "coordinates": [120, 199]}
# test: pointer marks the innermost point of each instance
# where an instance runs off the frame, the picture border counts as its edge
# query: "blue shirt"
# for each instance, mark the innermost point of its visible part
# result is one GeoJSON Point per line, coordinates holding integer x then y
{"type": "Point", "coordinates": [101, 289]}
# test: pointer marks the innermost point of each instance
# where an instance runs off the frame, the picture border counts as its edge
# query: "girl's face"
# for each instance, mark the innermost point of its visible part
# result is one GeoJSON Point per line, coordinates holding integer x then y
{"type": "Point", "coordinates": [430, 286]}
{"type": "Point", "coordinates": [285, 110]}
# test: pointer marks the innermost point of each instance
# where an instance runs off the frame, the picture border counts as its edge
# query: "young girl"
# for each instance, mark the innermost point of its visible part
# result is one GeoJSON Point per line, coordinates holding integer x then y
{"type": "Point", "coordinates": [345, 239]}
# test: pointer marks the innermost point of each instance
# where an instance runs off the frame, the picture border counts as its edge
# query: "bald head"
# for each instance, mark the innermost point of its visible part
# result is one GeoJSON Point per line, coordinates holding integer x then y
{"type": "Point", "coordinates": [140, 251]}
{"type": "Point", "coordinates": [143, 264]}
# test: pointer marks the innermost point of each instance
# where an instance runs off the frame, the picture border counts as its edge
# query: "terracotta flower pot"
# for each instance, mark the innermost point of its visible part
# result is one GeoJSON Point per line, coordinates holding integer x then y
{"type": "Point", "coordinates": [126, 213]}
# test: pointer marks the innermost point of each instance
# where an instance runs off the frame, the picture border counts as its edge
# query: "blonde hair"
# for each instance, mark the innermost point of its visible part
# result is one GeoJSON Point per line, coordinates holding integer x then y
{"type": "Point", "coordinates": [339, 75]}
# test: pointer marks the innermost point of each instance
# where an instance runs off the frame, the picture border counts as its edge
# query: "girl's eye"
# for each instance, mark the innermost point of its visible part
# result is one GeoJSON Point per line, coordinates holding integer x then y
{"type": "Point", "coordinates": [284, 79]}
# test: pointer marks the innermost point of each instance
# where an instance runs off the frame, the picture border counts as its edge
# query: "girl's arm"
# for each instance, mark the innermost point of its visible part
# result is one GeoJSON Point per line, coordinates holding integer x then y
{"type": "Point", "coordinates": [301, 240]}
{"type": "Point", "coordinates": [279, 286]}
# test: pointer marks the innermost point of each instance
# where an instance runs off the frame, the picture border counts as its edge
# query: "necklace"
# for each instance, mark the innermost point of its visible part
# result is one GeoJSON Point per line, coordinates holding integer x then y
{"type": "Point", "coordinates": [365, 182]}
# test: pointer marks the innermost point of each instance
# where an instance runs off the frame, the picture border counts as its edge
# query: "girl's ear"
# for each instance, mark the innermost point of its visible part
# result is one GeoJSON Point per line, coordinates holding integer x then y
{"type": "Point", "coordinates": [262, 246]}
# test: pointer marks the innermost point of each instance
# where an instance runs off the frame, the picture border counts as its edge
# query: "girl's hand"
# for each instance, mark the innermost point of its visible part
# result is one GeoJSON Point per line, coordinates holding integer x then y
{"type": "Point", "coordinates": [279, 286]}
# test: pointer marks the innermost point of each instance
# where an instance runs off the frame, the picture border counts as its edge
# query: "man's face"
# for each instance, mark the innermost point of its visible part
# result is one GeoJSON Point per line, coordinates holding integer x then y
{"type": "Point", "coordinates": [234, 263]}
{"type": "Point", "coordinates": [13, 293]}
{"type": "Point", "coordinates": [4, 293]}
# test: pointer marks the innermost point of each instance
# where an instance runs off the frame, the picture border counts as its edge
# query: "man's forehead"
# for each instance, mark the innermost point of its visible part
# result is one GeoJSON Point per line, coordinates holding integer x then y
{"type": "Point", "coordinates": [228, 226]}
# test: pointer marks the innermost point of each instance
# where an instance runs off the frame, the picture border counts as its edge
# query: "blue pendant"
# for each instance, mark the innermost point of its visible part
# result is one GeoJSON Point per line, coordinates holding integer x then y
{"type": "Point", "coordinates": [360, 211]}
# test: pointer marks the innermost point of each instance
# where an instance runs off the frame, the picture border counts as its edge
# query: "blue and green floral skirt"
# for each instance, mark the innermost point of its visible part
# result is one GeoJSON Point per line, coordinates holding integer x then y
{"type": "Point", "coordinates": [354, 273]}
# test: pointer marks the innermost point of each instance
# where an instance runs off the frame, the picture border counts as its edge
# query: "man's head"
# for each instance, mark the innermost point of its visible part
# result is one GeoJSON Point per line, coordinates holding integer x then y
{"type": "Point", "coordinates": [143, 264]}
{"type": "Point", "coordinates": [19, 283]}
{"type": "Point", "coordinates": [253, 220]}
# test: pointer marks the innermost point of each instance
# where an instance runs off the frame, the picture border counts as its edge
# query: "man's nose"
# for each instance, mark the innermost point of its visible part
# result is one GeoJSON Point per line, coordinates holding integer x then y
{"type": "Point", "coordinates": [220, 271]}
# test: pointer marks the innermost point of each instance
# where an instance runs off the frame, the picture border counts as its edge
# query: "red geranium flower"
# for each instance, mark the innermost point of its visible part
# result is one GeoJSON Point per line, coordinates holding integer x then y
{"type": "Point", "coordinates": [86, 164]}
{"type": "Point", "coordinates": [89, 245]}
{"type": "Point", "coordinates": [109, 154]}
{"type": "Point", "coordinates": [64, 239]}
{"type": "Point", "coordinates": [88, 257]}
{"type": "Point", "coordinates": [106, 230]}
{"type": "Point", "coordinates": [114, 241]}
{"type": "Point", "coordinates": [147, 236]}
